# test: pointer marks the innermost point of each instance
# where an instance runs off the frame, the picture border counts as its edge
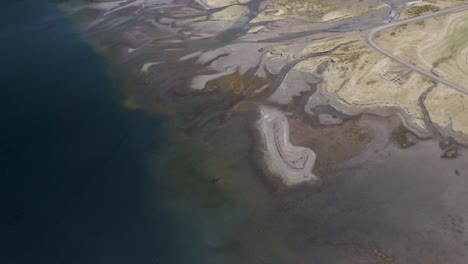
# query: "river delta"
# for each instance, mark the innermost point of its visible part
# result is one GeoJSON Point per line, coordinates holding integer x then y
{"type": "Point", "coordinates": [292, 138]}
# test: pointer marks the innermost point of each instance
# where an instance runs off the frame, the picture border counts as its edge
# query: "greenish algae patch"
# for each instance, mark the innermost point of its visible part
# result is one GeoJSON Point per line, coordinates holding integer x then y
{"type": "Point", "coordinates": [208, 173]}
{"type": "Point", "coordinates": [131, 104]}
{"type": "Point", "coordinates": [239, 84]}
{"type": "Point", "coordinates": [187, 167]}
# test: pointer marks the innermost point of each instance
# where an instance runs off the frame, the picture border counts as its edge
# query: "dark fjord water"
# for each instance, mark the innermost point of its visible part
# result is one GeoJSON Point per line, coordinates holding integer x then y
{"type": "Point", "coordinates": [72, 160]}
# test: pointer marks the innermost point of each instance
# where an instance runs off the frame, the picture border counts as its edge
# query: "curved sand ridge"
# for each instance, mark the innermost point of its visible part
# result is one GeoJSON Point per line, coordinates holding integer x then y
{"type": "Point", "coordinates": [292, 164]}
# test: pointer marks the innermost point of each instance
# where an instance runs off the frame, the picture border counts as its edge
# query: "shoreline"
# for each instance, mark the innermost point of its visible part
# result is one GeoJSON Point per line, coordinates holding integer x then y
{"type": "Point", "coordinates": [231, 185]}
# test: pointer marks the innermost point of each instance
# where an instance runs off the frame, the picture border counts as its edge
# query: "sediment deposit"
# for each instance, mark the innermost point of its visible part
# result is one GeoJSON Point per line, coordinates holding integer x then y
{"type": "Point", "coordinates": [292, 164]}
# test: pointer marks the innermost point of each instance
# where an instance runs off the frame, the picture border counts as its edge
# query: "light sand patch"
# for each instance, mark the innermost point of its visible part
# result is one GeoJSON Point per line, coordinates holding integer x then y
{"type": "Point", "coordinates": [231, 13]}
{"type": "Point", "coordinates": [337, 14]}
{"type": "Point", "coordinates": [220, 3]}
{"type": "Point", "coordinates": [190, 56]}
{"type": "Point", "coordinates": [200, 81]}
{"type": "Point", "coordinates": [148, 65]}
{"type": "Point", "coordinates": [113, 6]}
{"type": "Point", "coordinates": [255, 29]}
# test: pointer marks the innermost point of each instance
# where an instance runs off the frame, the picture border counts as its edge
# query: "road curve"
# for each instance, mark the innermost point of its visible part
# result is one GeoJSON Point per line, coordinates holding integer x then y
{"type": "Point", "coordinates": [371, 34]}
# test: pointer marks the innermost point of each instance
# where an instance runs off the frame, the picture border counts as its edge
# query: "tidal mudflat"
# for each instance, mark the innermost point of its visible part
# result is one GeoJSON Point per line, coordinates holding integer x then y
{"type": "Point", "coordinates": [292, 139]}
